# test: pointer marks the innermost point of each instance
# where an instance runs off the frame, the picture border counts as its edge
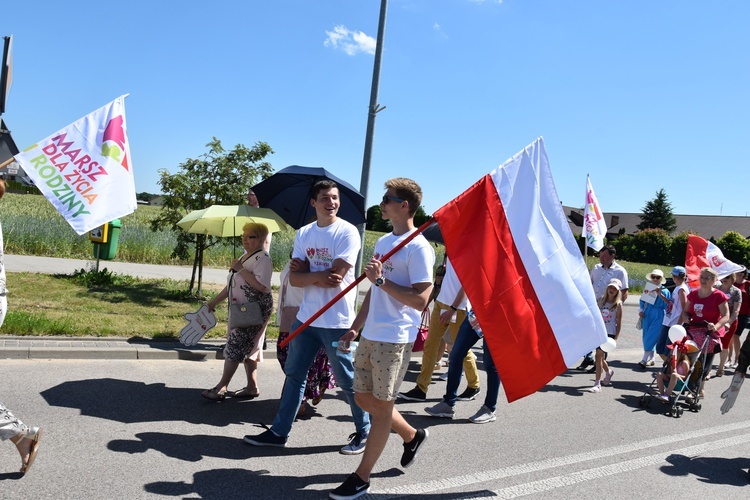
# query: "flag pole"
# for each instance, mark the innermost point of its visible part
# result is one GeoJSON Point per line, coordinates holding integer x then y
{"type": "Point", "coordinates": [7, 162]}
{"type": "Point", "coordinates": [354, 283]}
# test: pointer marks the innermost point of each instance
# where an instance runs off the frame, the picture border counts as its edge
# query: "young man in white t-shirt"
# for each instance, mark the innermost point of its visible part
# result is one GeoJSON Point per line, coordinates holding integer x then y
{"type": "Point", "coordinates": [323, 258]}
{"type": "Point", "coordinates": [390, 314]}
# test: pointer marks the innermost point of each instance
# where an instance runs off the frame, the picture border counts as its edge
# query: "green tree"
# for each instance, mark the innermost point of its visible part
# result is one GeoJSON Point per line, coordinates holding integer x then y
{"type": "Point", "coordinates": [375, 220]}
{"type": "Point", "coordinates": [217, 177]}
{"type": "Point", "coordinates": [657, 214]}
{"type": "Point", "coordinates": [420, 217]}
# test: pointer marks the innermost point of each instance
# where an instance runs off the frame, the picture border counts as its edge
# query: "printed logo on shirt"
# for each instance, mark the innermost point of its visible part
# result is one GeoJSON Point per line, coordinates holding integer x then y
{"type": "Point", "coordinates": [699, 310]}
{"type": "Point", "coordinates": [320, 257]}
{"type": "Point", "coordinates": [387, 265]}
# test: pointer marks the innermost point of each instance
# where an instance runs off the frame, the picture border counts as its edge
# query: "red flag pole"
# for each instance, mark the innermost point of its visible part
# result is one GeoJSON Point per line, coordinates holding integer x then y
{"type": "Point", "coordinates": [353, 284]}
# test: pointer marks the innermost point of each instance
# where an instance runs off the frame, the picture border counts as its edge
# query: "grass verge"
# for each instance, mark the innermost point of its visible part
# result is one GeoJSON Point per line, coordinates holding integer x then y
{"type": "Point", "coordinates": [103, 304]}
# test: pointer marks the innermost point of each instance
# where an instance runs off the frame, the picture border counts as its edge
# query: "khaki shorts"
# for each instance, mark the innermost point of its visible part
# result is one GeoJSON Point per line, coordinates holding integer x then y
{"type": "Point", "coordinates": [380, 367]}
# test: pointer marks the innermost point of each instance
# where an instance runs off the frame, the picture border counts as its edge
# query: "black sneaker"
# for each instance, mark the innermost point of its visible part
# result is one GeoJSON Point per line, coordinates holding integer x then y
{"type": "Point", "coordinates": [468, 395]}
{"type": "Point", "coordinates": [411, 449]}
{"type": "Point", "coordinates": [267, 438]}
{"type": "Point", "coordinates": [353, 487]}
{"type": "Point", "coordinates": [415, 394]}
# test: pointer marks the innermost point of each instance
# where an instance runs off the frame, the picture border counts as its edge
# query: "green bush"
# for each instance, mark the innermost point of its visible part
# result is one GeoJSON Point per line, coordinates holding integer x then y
{"type": "Point", "coordinates": [735, 247]}
{"type": "Point", "coordinates": [649, 245]}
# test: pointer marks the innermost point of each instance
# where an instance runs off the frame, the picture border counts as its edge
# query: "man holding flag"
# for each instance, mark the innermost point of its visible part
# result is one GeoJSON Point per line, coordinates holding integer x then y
{"type": "Point", "coordinates": [390, 315]}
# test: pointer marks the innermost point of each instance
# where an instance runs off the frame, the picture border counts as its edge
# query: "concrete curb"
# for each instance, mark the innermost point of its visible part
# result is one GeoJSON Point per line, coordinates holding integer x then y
{"type": "Point", "coordinates": [14, 347]}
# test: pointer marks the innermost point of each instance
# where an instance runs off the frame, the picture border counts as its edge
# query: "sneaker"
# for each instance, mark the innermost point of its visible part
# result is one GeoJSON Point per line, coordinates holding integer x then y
{"type": "Point", "coordinates": [267, 438]}
{"type": "Point", "coordinates": [650, 362]}
{"type": "Point", "coordinates": [595, 389]}
{"type": "Point", "coordinates": [483, 416]}
{"type": "Point", "coordinates": [608, 378]}
{"type": "Point", "coordinates": [415, 394]}
{"type": "Point", "coordinates": [443, 376]}
{"type": "Point", "coordinates": [411, 449]}
{"type": "Point", "coordinates": [442, 410]}
{"type": "Point", "coordinates": [663, 398]}
{"type": "Point", "coordinates": [468, 395]}
{"type": "Point", "coordinates": [356, 444]}
{"type": "Point", "coordinates": [353, 487]}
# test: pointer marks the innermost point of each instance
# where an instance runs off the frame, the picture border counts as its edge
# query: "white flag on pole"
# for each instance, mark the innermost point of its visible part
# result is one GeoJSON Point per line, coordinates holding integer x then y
{"type": "Point", "coordinates": [85, 169]}
{"type": "Point", "coordinates": [594, 227]}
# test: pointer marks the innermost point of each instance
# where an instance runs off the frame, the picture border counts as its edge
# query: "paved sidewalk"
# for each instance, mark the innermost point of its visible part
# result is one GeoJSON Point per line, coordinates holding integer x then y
{"type": "Point", "coordinates": [13, 347]}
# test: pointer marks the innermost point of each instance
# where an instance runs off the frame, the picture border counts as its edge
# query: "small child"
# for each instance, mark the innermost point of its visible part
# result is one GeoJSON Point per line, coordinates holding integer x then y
{"type": "Point", "coordinates": [675, 374]}
{"type": "Point", "coordinates": [611, 308]}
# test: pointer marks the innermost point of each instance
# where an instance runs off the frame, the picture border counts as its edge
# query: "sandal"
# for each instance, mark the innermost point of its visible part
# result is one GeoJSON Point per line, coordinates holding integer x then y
{"type": "Point", "coordinates": [244, 393]}
{"type": "Point", "coordinates": [214, 395]}
{"type": "Point", "coordinates": [34, 434]}
{"type": "Point", "coordinates": [719, 373]}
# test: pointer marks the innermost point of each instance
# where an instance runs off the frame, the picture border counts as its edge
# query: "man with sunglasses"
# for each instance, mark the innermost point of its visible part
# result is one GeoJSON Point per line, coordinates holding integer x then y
{"type": "Point", "coordinates": [390, 315]}
{"type": "Point", "coordinates": [602, 273]}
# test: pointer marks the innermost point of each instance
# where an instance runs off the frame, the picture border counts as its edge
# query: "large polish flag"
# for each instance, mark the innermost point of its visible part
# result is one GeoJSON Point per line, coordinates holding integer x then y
{"type": "Point", "coordinates": [702, 253]}
{"type": "Point", "coordinates": [510, 244]}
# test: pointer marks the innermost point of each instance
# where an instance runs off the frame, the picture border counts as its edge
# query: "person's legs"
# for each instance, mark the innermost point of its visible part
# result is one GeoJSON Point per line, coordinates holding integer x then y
{"type": "Point", "coordinates": [230, 367]}
{"type": "Point", "coordinates": [431, 345]}
{"type": "Point", "coordinates": [465, 339]}
{"type": "Point", "coordinates": [493, 379]}
{"type": "Point", "coordinates": [661, 343]}
{"type": "Point", "coordinates": [301, 353]}
{"type": "Point", "coordinates": [251, 371]}
{"type": "Point", "coordinates": [26, 439]}
{"type": "Point", "coordinates": [470, 360]}
{"type": "Point", "coordinates": [343, 371]}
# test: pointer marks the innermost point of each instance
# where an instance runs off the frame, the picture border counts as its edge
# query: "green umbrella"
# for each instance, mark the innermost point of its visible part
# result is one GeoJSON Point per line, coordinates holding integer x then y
{"type": "Point", "coordinates": [227, 220]}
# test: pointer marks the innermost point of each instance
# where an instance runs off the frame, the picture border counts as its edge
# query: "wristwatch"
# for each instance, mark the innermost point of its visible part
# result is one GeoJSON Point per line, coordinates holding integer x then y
{"type": "Point", "coordinates": [379, 281]}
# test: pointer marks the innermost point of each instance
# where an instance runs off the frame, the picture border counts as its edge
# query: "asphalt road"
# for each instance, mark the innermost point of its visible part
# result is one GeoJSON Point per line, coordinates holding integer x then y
{"type": "Point", "coordinates": [140, 429]}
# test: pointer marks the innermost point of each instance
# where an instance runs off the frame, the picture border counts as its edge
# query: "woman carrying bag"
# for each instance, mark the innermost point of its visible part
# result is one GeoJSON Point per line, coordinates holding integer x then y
{"type": "Point", "coordinates": [250, 306]}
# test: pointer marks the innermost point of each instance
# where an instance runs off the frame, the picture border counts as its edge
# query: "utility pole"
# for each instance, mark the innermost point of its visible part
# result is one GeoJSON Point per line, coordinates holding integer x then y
{"type": "Point", "coordinates": [373, 110]}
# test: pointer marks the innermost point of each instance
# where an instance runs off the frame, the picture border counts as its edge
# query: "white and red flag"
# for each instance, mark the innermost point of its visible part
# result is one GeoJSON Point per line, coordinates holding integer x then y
{"type": "Point", "coordinates": [85, 169]}
{"type": "Point", "coordinates": [702, 253]}
{"type": "Point", "coordinates": [510, 244]}
{"type": "Point", "coordinates": [594, 227]}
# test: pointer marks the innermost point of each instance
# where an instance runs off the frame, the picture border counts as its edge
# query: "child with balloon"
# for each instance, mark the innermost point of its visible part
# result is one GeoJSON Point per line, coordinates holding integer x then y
{"type": "Point", "coordinates": [610, 305]}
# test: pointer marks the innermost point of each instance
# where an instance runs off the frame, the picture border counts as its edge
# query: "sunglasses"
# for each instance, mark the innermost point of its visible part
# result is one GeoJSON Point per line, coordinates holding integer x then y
{"type": "Point", "coordinates": [655, 277]}
{"type": "Point", "coordinates": [387, 198]}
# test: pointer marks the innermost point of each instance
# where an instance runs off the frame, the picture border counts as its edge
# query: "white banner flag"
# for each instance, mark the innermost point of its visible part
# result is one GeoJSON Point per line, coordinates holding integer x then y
{"type": "Point", "coordinates": [85, 169]}
{"type": "Point", "coordinates": [594, 227]}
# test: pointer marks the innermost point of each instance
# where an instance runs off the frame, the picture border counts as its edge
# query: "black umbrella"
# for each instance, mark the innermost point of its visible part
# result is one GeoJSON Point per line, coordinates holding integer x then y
{"type": "Point", "coordinates": [433, 234]}
{"type": "Point", "coordinates": [288, 193]}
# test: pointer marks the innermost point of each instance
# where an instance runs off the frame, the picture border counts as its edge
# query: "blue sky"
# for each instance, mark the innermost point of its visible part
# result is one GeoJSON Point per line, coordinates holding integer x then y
{"type": "Point", "coordinates": [641, 95]}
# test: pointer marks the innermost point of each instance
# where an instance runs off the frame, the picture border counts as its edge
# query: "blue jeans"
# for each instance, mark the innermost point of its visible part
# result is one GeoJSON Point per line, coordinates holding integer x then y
{"type": "Point", "coordinates": [302, 351]}
{"type": "Point", "coordinates": [465, 340]}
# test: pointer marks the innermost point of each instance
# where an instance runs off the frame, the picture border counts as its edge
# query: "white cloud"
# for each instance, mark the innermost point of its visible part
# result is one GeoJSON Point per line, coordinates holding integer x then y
{"type": "Point", "coordinates": [351, 42]}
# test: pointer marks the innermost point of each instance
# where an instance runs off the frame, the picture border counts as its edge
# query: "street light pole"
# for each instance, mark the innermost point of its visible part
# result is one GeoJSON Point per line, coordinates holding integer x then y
{"type": "Point", "coordinates": [373, 110]}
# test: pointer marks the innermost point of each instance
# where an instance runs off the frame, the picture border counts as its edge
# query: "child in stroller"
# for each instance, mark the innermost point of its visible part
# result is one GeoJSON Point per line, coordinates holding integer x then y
{"type": "Point", "coordinates": [677, 369]}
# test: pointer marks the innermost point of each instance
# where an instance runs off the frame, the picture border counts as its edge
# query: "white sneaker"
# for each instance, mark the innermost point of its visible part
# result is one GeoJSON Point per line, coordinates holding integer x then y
{"type": "Point", "coordinates": [595, 389]}
{"type": "Point", "coordinates": [483, 416]}
{"type": "Point", "coordinates": [442, 410]}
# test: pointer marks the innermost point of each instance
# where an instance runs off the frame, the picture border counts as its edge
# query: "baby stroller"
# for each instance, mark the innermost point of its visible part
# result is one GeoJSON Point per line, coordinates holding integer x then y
{"type": "Point", "coordinates": [688, 389]}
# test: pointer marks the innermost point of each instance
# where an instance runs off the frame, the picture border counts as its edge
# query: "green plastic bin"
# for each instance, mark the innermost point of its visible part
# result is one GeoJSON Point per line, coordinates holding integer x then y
{"type": "Point", "coordinates": [108, 250]}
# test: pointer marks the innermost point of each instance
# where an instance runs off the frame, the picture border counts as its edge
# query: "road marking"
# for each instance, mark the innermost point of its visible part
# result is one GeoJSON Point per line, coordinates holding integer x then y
{"type": "Point", "coordinates": [516, 470]}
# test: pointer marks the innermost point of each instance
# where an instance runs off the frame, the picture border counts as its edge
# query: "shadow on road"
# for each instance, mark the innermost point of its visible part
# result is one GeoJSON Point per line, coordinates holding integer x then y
{"type": "Point", "coordinates": [128, 402]}
{"type": "Point", "coordinates": [260, 484]}
{"type": "Point", "coordinates": [711, 470]}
